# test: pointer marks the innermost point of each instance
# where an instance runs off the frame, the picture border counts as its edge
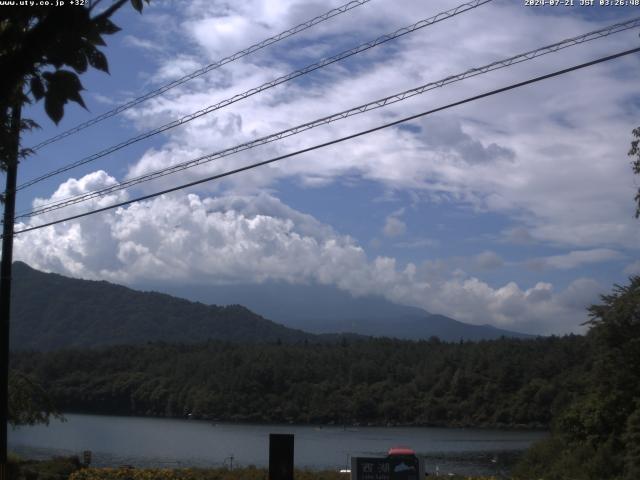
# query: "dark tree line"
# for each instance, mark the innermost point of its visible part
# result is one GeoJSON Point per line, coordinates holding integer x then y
{"type": "Point", "coordinates": [504, 382]}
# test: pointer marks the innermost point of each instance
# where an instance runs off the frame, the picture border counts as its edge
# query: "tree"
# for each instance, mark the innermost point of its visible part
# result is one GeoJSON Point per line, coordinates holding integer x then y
{"type": "Point", "coordinates": [29, 403]}
{"type": "Point", "coordinates": [598, 435]}
{"type": "Point", "coordinates": [632, 446]}
{"type": "Point", "coordinates": [43, 49]}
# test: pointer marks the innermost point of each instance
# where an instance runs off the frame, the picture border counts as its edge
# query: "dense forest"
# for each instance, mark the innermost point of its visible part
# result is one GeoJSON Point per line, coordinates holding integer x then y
{"type": "Point", "coordinates": [506, 382]}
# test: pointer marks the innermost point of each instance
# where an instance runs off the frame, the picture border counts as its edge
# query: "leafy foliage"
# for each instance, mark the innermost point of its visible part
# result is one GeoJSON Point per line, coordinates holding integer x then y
{"type": "Point", "coordinates": [29, 403]}
{"type": "Point", "coordinates": [631, 441]}
{"type": "Point", "coordinates": [57, 468]}
{"type": "Point", "coordinates": [598, 435]}
{"type": "Point", "coordinates": [504, 382]}
{"type": "Point", "coordinates": [47, 48]}
{"type": "Point", "coordinates": [249, 473]}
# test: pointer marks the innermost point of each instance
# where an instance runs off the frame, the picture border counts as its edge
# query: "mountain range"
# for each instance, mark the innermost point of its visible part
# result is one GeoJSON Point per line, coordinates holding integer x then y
{"type": "Point", "coordinates": [51, 311]}
{"type": "Point", "coordinates": [327, 309]}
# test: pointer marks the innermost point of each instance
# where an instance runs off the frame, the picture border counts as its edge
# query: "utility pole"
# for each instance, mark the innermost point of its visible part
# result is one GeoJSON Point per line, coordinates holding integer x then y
{"type": "Point", "coordinates": [5, 277]}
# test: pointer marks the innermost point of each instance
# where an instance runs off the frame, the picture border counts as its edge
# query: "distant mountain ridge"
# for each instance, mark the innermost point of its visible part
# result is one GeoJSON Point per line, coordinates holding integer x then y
{"type": "Point", "coordinates": [325, 309]}
{"type": "Point", "coordinates": [51, 311]}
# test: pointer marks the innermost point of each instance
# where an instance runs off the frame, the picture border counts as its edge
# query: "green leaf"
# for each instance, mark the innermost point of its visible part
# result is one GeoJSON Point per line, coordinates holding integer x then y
{"type": "Point", "coordinates": [69, 86]}
{"type": "Point", "coordinates": [78, 61]}
{"type": "Point", "coordinates": [93, 36]}
{"type": "Point", "coordinates": [37, 88]}
{"type": "Point", "coordinates": [54, 107]}
{"type": "Point", "coordinates": [76, 97]}
{"type": "Point", "coordinates": [97, 59]}
{"type": "Point", "coordinates": [62, 86]}
{"type": "Point", "coordinates": [66, 79]}
{"type": "Point", "coordinates": [137, 4]}
{"type": "Point", "coordinates": [107, 27]}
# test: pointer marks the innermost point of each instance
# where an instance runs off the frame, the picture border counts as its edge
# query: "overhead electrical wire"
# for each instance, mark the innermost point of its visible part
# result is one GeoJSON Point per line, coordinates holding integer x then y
{"type": "Point", "coordinates": [519, 58]}
{"type": "Point", "coordinates": [353, 111]}
{"type": "Point", "coordinates": [335, 141]}
{"type": "Point", "coordinates": [212, 66]}
{"type": "Point", "coordinates": [265, 86]}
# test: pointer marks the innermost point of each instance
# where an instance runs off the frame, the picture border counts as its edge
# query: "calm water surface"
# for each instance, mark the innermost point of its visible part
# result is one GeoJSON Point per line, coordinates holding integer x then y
{"type": "Point", "coordinates": [168, 442]}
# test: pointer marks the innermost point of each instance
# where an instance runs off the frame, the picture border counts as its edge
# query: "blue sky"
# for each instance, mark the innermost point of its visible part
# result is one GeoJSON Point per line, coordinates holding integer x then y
{"type": "Point", "coordinates": [516, 210]}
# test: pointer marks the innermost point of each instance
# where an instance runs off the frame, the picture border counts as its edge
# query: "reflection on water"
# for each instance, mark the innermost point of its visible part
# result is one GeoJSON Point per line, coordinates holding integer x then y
{"type": "Point", "coordinates": [169, 442]}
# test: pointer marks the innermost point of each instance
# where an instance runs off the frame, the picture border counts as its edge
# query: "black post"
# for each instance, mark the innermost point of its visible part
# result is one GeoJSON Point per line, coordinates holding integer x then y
{"type": "Point", "coordinates": [5, 281]}
{"type": "Point", "coordinates": [280, 456]}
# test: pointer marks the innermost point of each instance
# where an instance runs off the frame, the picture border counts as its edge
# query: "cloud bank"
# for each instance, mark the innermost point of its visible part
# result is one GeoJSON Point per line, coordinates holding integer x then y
{"type": "Point", "coordinates": [252, 239]}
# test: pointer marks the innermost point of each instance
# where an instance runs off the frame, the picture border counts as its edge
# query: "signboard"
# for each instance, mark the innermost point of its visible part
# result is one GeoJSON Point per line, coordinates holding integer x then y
{"type": "Point", "coordinates": [405, 467]}
{"type": "Point", "coordinates": [280, 456]}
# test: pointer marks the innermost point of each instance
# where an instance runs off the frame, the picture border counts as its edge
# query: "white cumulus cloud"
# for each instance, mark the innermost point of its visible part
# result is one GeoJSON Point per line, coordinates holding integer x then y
{"type": "Point", "coordinates": [251, 239]}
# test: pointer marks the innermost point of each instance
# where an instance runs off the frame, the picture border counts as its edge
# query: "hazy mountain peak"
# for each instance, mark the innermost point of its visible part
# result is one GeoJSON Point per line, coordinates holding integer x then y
{"type": "Point", "coordinates": [327, 309]}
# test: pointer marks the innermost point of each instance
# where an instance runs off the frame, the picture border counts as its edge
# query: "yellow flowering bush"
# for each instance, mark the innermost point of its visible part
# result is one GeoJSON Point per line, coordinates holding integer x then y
{"type": "Point", "coordinates": [250, 473]}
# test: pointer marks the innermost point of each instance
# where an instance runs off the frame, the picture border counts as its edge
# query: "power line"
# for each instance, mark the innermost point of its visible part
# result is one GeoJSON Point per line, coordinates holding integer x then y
{"type": "Point", "coordinates": [334, 117]}
{"type": "Point", "coordinates": [353, 111]}
{"type": "Point", "coordinates": [265, 86]}
{"type": "Point", "coordinates": [338, 140]}
{"type": "Point", "coordinates": [231, 58]}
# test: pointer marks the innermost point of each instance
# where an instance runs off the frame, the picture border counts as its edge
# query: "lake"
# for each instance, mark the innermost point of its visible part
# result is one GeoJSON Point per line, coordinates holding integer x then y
{"type": "Point", "coordinates": [179, 443]}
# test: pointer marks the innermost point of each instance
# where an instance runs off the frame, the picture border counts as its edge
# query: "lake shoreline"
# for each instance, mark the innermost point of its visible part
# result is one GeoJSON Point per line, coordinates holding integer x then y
{"type": "Point", "coordinates": [159, 442]}
{"type": "Point", "coordinates": [220, 421]}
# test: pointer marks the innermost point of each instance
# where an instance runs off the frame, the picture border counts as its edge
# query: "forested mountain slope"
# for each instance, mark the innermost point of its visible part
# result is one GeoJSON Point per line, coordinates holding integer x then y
{"type": "Point", "coordinates": [50, 311]}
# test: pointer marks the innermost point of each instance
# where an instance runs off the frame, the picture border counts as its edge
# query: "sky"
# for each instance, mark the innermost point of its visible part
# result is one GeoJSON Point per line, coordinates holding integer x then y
{"type": "Point", "coordinates": [515, 210]}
